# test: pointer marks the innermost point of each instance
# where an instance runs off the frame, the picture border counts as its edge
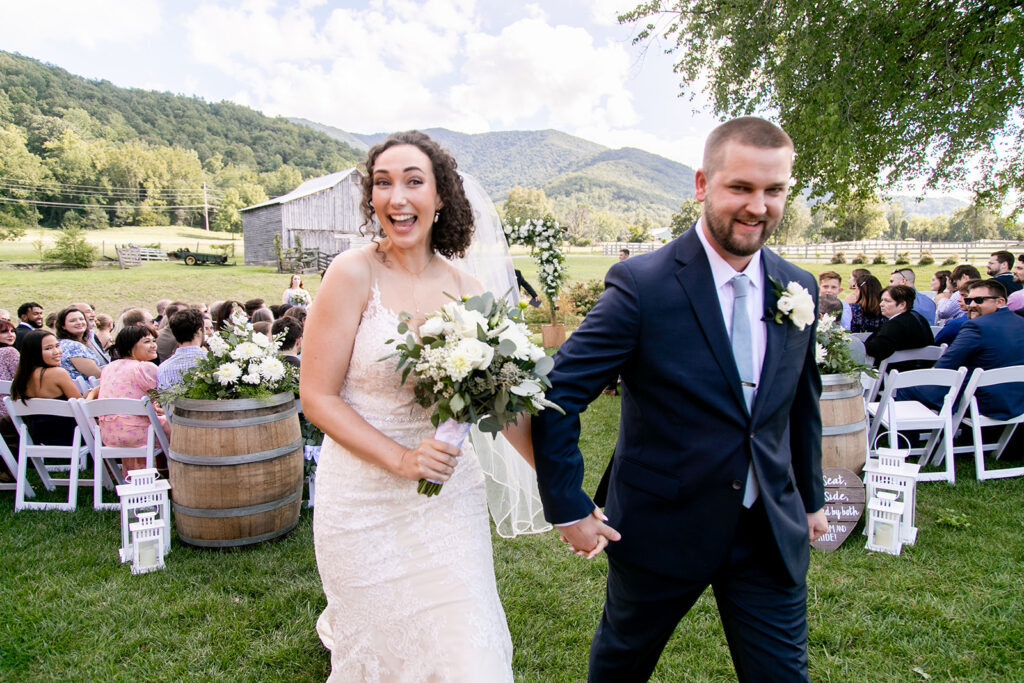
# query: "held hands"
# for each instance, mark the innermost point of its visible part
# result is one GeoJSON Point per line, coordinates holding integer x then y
{"type": "Point", "coordinates": [817, 524]}
{"type": "Point", "coordinates": [431, 459]}
{"type": "Point", "coordinates": [589, 536]}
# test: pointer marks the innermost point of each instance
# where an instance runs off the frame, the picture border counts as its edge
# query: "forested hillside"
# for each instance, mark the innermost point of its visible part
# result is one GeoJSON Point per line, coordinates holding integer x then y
{"type": "Point", "coordinates": [131, 155]}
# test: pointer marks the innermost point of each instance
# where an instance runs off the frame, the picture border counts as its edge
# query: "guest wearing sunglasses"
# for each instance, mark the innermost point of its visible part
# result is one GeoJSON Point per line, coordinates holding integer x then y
{"type": "Point", "coordinates": [991, 338]}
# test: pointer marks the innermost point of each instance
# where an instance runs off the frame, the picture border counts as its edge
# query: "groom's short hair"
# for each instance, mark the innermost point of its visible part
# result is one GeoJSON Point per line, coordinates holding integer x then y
{"type": "Point", "coordinates": [746, 130]}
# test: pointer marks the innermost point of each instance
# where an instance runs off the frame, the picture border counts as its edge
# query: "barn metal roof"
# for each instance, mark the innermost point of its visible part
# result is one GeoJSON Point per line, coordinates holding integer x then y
{"type": "Point", "coordinates": [311, 186]}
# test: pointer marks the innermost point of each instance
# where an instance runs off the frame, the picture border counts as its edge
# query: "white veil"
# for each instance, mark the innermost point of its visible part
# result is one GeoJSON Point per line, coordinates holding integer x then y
{"type": "Point", "coordinates": [512, 495]}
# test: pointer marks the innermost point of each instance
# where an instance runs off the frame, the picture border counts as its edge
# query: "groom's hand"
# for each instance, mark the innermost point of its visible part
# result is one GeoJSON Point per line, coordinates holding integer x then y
{"type": "Point", "coordinates": [817, 524]}
{"type": "Point", "coordinates": [589, 536]}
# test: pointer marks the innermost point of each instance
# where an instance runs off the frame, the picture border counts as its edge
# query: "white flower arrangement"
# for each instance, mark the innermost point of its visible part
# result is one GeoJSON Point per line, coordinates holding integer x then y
{"type": "Point", "coordinates": [473, 363]}
{"type": "Point", "coordinates": [300, 297]}
{"type": "Point", "coordinates": [544, 237]}
{"type": "Point", "coordinates": [242, 363]}
{"type": "Point", "coordinates": [832, 350]}
{"type": "Point", "coordinates": [795, 303]}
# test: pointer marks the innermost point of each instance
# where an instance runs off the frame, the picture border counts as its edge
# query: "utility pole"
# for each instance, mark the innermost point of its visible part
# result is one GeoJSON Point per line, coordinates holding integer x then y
{"type": "Point", "coordinates": [206, 209]}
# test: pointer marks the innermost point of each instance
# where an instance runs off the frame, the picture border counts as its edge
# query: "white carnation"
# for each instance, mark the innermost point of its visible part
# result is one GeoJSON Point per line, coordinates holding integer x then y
{"type": "Point", "coordinates": [520, 339]}
{"type": "Point", "coordinates": [228, 373]}
{"type": "Point", "coordinates": [246, 351]}
{"type": "Point", "coordinates": [251, 378]}
{"type": "Point", "coordinates": [217, 345]}
{"type": "Point", "coordinates": [272, 369]}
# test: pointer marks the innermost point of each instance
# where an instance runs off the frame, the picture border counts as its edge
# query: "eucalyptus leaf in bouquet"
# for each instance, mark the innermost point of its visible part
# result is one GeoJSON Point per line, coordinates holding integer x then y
{"type": "Point", "coordinates": [241, 363]}
{"type": "Point", "coordinates": [473, 362]}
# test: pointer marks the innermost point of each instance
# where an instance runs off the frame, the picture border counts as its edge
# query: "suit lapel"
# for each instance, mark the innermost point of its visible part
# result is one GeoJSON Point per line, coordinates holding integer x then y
{"type": "Point", "coordinates": [775, 333]}
{"type": "Point", "coordinates": [699, 285]}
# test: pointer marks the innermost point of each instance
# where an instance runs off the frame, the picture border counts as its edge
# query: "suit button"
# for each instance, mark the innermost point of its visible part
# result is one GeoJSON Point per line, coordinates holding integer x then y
{"type": "Point", "coordinates": [737, 485]}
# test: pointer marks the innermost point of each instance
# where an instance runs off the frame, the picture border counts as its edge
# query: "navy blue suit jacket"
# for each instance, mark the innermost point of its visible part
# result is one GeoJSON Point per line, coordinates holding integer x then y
{"type": "Point", "coordinates": [989, 341]}
{"type": "Point", "coordinates": [685, 437]}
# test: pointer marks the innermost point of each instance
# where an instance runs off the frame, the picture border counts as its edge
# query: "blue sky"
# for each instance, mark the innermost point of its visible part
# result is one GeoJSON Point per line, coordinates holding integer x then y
{"type": "Point", "coordinates": [382, 65]}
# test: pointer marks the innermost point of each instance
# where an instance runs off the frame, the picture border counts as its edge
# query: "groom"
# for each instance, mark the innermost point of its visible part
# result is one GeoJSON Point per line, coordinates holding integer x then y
{"type": "Point", "coordinates": [716, 478]}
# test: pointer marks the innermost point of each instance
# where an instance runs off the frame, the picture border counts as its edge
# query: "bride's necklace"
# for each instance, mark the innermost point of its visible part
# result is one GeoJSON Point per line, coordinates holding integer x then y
{"type": "Point", "coordinates": [415, 277]}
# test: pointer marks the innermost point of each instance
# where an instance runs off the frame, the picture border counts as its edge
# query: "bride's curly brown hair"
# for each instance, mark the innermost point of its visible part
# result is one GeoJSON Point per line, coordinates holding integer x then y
{"type": "Point", "coordinates": [453, 231]}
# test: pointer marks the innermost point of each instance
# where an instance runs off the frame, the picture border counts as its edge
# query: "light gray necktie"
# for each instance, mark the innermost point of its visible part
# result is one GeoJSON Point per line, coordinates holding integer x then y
{"type": "Point", "coordinates": [742, 351]}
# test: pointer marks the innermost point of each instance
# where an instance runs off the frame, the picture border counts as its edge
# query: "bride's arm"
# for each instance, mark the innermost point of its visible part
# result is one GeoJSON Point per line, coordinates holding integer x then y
{"type": "Point", "coordinates": [326, 351]}
{"type": "Point", "coordinates": [518, 434]}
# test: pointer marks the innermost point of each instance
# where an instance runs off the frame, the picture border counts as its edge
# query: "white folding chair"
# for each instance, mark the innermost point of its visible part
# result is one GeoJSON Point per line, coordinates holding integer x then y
{"type": "Point", "coordinates": [5, 452]}
{"type": "Point", "coordinates": [970, 414]}
{"type": "Point", "coordinates": [925, 353]}
{"type": "Point", "coordinates": [82, 383]}
{"type": "Point", "coordinates": [29, 450]}
{"type": "Point", "coordinates": [895, 416]}
{"type": "Point", "coordinates": [88, 414]}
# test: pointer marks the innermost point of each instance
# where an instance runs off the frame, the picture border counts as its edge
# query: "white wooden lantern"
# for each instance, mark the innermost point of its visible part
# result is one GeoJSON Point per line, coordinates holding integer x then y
{"type": "Point", "coordinates": [147, 543]}
{"type": "Point", "coordinates": [891, 472]}
{"type": "Point", "coordinates": [143, 490]}
{"type": "Point", "coordinates": [885, 515]}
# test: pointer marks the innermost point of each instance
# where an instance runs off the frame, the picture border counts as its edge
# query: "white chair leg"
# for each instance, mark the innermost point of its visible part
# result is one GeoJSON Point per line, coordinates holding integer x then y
{"type": "Point", "coordinates": [1004, 440]}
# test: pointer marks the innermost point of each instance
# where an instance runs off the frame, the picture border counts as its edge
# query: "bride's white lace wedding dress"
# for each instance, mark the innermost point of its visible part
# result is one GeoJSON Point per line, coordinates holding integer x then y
{"type": "Point", "coordinates": [409, 580]}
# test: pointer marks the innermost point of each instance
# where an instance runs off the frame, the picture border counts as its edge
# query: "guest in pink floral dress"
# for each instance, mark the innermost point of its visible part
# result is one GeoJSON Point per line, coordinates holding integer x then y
{"type": "Point", "coordinates": [130, 377]}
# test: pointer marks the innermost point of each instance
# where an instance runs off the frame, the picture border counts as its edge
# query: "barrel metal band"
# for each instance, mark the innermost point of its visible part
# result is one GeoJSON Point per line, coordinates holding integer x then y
{"type": "Point", "coordinates": [232, 542]}
{"type": "Point", "coordinates": [237, 422]}
{"type": "Point", "coordinates": [243, 459]}
{"type": "Point", "coordinates": [846, 393]}
{"type": "Point", "coordinates": [839, 378]}
{"type": "Point", "coordinates": [844, 429]}
{"type": "Point", "coordinates": [223, 513]}
{"type": "Point", "coordinates": [221, 405]}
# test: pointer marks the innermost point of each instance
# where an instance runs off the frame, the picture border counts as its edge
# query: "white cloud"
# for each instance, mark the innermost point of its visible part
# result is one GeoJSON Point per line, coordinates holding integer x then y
{"type": "Point", "coordinates": [606, 12]}
{"type": "Point", "coordinates": [87, 23]}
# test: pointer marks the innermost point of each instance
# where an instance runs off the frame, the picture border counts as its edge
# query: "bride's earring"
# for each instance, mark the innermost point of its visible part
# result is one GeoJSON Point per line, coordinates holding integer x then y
{"type": "Point", "coordinates": [437, 215]}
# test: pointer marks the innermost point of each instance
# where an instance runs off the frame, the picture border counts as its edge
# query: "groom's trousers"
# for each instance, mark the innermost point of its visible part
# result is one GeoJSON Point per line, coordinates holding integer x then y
{"type": "Point", "coordinates": [763, 612]}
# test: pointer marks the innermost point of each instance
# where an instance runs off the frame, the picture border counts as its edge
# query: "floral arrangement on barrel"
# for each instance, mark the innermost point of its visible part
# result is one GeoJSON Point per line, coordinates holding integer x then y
{"type": "Point", "coordinates": [473, 363]}
{"type": "Point", "coordinates": [242, 363]}
{"type": "Point", "coordinates": [544, 237]}
{"type": "Point", "coordinates": [833, 353]}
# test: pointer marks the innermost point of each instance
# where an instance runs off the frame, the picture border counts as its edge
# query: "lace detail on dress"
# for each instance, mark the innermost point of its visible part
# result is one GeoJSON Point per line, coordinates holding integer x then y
{"type": "Point", "coordinates": [409, 580]}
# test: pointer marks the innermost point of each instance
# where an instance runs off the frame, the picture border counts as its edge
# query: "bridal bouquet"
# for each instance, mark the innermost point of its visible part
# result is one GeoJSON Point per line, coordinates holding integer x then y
{"type": "Point", "coordinates": [300, 297]}
{"type": "Point", "coordinates": [473, 361]}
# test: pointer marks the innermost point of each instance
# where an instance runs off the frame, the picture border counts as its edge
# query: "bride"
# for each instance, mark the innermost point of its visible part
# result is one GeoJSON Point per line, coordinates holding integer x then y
{"type": "Point", "coordinates": [409, 580]}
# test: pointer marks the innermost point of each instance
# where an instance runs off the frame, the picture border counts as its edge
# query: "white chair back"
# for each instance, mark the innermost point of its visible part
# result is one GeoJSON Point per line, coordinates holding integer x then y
{"type": "Point", "coordinates": [925, 353]}
{"type": "Point", "coordinates": [969, 414]}
{"type": "Point", "coordinates": [5, 452]}
{"type": "Point", "coordinates": [28, 450]}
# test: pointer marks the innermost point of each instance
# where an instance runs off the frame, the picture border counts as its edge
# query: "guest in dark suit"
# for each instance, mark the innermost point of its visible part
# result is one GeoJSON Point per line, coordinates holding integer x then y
{"type": "Point", "coordinates": [716, 478]}
{"type": "Point", "coordinates": [991, 338]}
{"type": "Point", "coordinates": [1000, 267]}
{"type": "Point", "coordinates": [291, 343]}
{"type": "Point", "coordinates": [904, 329]}
{"type": "Point", "coordinates": [30, 317]}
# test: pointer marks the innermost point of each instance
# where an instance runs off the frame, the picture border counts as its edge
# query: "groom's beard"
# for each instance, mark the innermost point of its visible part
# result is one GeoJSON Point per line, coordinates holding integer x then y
{"type": "Point", "coordinates": [720, 227]}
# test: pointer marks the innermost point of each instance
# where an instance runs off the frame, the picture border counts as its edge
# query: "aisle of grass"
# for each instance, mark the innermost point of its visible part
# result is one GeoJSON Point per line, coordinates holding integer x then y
{"type": "Point", "coordinates": [950, 606]}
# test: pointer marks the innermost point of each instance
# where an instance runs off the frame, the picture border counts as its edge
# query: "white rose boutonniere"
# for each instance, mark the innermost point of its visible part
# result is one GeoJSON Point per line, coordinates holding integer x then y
{"type": "Point", "coordinates": [793, 302]}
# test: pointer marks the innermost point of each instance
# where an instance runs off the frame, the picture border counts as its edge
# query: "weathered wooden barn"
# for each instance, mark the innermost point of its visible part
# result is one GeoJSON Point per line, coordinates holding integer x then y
{"type": "Point", "coordinates": [322, 212]}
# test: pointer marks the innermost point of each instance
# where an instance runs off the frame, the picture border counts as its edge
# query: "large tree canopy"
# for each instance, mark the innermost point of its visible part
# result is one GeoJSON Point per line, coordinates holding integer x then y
{"type": "Point", "coordinates": [872, 92]}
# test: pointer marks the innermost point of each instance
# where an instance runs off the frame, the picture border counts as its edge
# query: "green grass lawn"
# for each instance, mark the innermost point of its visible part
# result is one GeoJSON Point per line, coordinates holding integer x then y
{"type": "Point", "coordinates": [950, 606]}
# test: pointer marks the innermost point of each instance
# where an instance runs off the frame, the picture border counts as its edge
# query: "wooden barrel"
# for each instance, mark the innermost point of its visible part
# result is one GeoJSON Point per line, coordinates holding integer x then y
{"type": "Point", "coordinates": [844, 425]}
{"type": "Point", "coordinates": [235, 470]}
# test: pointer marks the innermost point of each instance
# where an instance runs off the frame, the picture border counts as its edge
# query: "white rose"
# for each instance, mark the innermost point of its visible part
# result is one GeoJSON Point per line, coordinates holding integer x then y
{"type": "Point", "coordinates": [802, 306]}
{"type": "Point", "coordinates": [261, 340]}
{"type": "Point", "coordinates": [465, 323]}
{"type": "Point", "coordinates": [785, 303]}
{"type": "Point", "coordinates": [272, 369]}
{"type": "Point", "coordinates": [519, 339]}
{"type": "Point", "coordinates": [228, 373]}
{"type": "Point", "coordinates": [476, 352]}
{"type": "Point", "coordinates": [246, 351]}
{"type": "Point", "coordinates": [432, 327]}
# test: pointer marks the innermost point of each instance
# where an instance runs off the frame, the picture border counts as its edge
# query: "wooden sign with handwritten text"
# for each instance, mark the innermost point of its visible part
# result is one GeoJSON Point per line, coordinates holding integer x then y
{"type": "Point", "coordinates": [844, 504]}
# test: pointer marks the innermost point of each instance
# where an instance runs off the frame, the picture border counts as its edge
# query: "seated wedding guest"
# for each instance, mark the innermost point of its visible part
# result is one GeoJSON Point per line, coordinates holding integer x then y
{"type": "Point", "coordinates": [7, 335]}
{"type": "Point", "coordinates": [865, 313]}
{"type": "Point", "coordinates": [253, 305]}
{"type": "Point", "coordinates": [261, 315]}
{"type": "Point", "coordinates": [39, 375]}
{"type": "Point", "coordinates": [102, 358]}
{"type": "Point", "coordinates": [262, 326]}
{"type": "Point", "coordinates": [829, 304]}
{"type": "Point", "coordinates": [207, 327]}
{"type": "Point", "coordinates": [991, 338]}
{"type": "Point", "coordinates": [291, 343]}
{"type": "Point", "coordinates": [281, 310]}
{"type": "Point", "coordinates": [923, 303]}
{"type": "Point", "coordinates": [201, 307]}
{"type": "Point", "coordinates": [134, 316]}
{"type": "Point", "coordinates": [30, 317]}
{"type": "Point", "coordinates": [51, 320]}
{"type": "Point", "coordinates": [1000, 267]}
{"type": "Point", "coordinates": [224, 313]}
{"type": "Point", "coordinates": [275, 309]}
{"type": "Point", "coordinates": [831, 282]}
{"type": "Point", "coordinates": [951, 308]}
{"type": "Point", "coordinates": [904, 328]}
{"type": "Point", "coordinates": [941, 287]}
{"type": "Point", "coordinates": [947, 333]}
{"type": "Point", "coordinates": [187, 328]}
{"type": "Point", "coordinates": [77, 358]}
{"type": "Point", "coordinates": [296, 293]}
{"type": "Point", "coordinates": [856, 276]}
{"type": "Point", "coordinates": [8, 365]}
{"type": "Point", "coordinates": [1015, 302]}
{"type": "Point", "coordinates": [131, 376]}
{"type": "Point", "coordinates": [161, 307]}
{"type": "Point", "coordinates": [165, 341]}
{"type": "Point", "coordinates": [5, 314]}
{"type": "Point", "coordinates": [104, 331]}
{"type": "Point", "coordinates": [297, 312]}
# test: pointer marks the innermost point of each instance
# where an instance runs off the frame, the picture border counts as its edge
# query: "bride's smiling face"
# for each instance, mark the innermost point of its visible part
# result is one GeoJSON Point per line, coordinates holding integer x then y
{"type": "Point", "coordinates": [405, 195]}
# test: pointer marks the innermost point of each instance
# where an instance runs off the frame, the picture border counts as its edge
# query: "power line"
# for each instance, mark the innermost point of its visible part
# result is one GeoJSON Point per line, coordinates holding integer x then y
{"type": "Point", "coordinates": [37, 202]}
{"type": "Point", "coordinates": [72, 186]}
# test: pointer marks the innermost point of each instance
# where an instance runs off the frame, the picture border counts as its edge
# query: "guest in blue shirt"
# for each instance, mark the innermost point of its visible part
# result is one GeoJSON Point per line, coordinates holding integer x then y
{"type": "Point", "coordinates": [77, 358]}
{"type": "Point", "coordinates": [187, 327]}
{"type": "Point", "coordinates": [923, 303]}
